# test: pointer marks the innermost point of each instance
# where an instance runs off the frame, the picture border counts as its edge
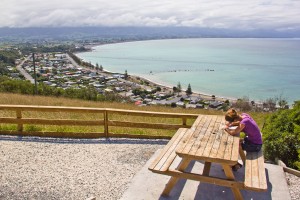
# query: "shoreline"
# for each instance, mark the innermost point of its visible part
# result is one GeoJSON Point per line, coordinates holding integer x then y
{"type": "Point", "coordinates": [155, 83]}
{"type": "Point", "coordinates": [202, 95]}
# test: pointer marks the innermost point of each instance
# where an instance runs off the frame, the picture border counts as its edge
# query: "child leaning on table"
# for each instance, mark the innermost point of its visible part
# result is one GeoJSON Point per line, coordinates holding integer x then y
{"type": "Point", "coordinates": [244, 122]}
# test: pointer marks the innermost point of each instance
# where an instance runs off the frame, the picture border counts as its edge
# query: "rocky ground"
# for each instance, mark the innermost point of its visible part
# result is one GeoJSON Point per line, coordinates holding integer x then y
{"type": "Point", "coordinates": [294, 185]}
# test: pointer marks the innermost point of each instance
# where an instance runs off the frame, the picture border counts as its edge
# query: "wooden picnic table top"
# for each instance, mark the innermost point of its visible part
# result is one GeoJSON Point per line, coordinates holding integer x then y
{"type": "Point", "coordinates": [207, 141]}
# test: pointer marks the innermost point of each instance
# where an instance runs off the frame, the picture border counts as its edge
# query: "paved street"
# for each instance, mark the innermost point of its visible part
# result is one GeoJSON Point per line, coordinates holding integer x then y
{"type": "Point", "coordinates": [23, 72]}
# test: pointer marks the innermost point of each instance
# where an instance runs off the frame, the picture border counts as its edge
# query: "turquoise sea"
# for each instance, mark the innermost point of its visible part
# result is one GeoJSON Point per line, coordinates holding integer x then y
{"type": "Point", "coordinates": [230, 68]}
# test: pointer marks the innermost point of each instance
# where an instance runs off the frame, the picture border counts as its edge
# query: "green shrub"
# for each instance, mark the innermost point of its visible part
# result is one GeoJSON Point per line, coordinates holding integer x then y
{"type": "Point", "coordinates": [281, 136]}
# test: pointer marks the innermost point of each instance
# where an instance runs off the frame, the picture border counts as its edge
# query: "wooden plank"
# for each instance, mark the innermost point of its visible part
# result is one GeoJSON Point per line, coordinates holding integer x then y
{"type": "Point", "coordinates": [291, 171]}
{"type": "Point", "coordinates": [197, 134]}
{"type": "Point", "coordinates": [173, 180]}
{"type": "Point", "coordinates": [206, 169]}
{"type": "Point", "coordinates": [230, 176]}
{"type": "Point", "coordinates": [261, 171]}
{"type": "Point", "coordinates": [184, 142]}
{"type": "Point", "coordinates": [198, 138]}
{"type": "Point", "coordinates": [248, 171]}
{"type": "Point", "coordinates": [254, 168]}
{"type": "Point", "coordinates": [204, 140]}
{"type": "Point", "coordinates": [151, 114]}
{"type": "Point", "coordinates": [217, 143]}
{"type": "Point", "coordinates": [128, 135]}
{"type": "Point", "coordinates": [54, 134]}
{"type": "Point", "coordinates": [255, 177]}
{"type": "Point", "coordinates": [52, 108]}
{"type": "Point", "coordinates": [96, 110]}
{"type": "Point", "coordinates": [212, 137]}
{"type": "Point", "coordinates": [19, 116]}
{"type": "Point", "coordinates": [206, 179]}
{"type": "Point", "coordinates": [52, 121]}
{"type": "Point", "coordinates": [222, 147]}
{"type": "Point", "coordinates": [197, 121]}
{"type": "Point", "coordinates": [146, 125]}
{"type": "Point", "coordinates": [164, 150]}
{"type": "Point", "coordinates": [235, 148]}
{"type": "Point", "coordinates": [228, 149]}
{"type": "Point", "coordinates": [173, 154]}
{"type": "Point", "coordinates": [162, 158]}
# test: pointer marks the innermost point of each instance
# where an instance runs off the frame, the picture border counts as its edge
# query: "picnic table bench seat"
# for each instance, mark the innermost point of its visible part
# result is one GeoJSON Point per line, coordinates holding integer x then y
{"type": "Point", "coordinates": [167, 155]}
{"type": "Point", "coordinates": [255, 177]}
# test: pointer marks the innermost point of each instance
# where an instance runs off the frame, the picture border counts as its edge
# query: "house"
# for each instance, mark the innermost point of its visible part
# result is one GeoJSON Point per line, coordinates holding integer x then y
{"type": "Point", "coordinates": [108, 90]}
{"type": "Point", "coordinates": [180, 103]}
{"type": "Point", "coordinates": [119, 89]}
{"type": "Point", "coordinates": [191, 106]}
{"type": "Point", "coordinates": [199, 105]}
{"type": "Point", "coordinates": [97, 85]}
{"type": "Point", "coordinates": [215, 104]}
{"type": "Point", "coordinates": [14, 75]}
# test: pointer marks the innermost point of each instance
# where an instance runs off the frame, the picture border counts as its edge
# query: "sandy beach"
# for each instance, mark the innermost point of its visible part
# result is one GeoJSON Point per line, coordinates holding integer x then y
{"type": "Point", "coordinates": [170, 89]}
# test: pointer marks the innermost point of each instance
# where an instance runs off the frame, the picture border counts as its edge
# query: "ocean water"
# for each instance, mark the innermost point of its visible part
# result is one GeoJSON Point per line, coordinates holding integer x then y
{"type": "Point", "coordinates": [231, 68]}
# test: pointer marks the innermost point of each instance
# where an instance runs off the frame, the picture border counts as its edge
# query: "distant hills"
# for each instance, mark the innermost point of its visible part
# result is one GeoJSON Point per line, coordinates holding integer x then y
{"type": "Point", "coordinates": [134, 33]}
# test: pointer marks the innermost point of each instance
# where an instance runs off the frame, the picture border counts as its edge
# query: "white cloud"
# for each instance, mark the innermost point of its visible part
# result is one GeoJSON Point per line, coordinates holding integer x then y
{"type": "Point", "coordinates": [275, 14]}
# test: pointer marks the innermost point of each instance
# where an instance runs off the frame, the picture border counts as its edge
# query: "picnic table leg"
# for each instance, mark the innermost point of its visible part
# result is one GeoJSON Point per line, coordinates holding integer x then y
{"type": "Point", "coordinates": [173, 180]}
{"type": "Point", "coordinates": [229, 174]}
{"type": "Point", "coordinates": [206, 168]}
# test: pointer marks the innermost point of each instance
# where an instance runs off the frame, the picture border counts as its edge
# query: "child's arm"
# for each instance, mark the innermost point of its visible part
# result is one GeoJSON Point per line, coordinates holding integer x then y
{"type": "Point", "coordinates": [228, 124]}
{"type": "Point", "coordinates": [235, 131]}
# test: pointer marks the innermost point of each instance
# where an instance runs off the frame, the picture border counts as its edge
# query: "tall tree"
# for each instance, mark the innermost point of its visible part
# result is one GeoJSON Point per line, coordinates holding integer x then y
{"type": "Point", "coordinates": [178, 87]}
{"type": "Point", "coordinates": [174, 89]}
{"type": "Point", "coordinates": [189, 90]}
{"type": "Point", "coordinates": [126, 75]}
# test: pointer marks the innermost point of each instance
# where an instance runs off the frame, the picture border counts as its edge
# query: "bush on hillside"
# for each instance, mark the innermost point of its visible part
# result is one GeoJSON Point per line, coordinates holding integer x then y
{"type": "Point", "coordinates": [281, 135]}
{"type": "Point", "coordinates": [25, 87]}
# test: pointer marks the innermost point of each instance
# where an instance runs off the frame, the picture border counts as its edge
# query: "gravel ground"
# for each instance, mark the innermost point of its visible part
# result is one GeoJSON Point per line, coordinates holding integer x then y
{"type": "Point", "coordinates": [46, 168]}
{"type": "Point", "coordinates": [34, 168]}
{"type": "Point", "coordinates": [294, 185]}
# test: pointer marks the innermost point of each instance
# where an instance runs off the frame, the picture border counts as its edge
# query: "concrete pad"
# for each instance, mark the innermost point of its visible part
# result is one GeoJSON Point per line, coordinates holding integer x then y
{"type": "Point", "coordinates": [147, 185]}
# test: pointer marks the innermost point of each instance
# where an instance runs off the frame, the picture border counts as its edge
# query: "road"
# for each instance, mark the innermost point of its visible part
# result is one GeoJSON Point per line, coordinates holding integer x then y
{"type": "Point", "coordinates": [23, 72]}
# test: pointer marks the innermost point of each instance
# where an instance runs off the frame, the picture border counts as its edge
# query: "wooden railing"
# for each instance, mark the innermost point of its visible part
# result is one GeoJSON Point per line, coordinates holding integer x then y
{"type": "Point", "coordinates": [103, 121]}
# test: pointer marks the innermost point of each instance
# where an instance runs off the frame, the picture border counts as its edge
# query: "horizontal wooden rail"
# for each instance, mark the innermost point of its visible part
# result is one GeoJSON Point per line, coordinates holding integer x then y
{"type": "Point", "coordinates": [104, 121]}
{"type": "Point", "coordinates": [151, 114]}
{"type": "Point", "coordinates": [52, 109]}
{"type": "Point", "coordinates": [52, 121]}
{"type": "Point", "coordinates": [145, 125]}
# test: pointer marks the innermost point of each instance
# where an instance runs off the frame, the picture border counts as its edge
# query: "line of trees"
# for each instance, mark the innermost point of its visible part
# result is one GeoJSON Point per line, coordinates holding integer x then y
{"type": "Point", "coordinates": [7, 58]}
{"type": "Point", "coordinates": [177, 89]}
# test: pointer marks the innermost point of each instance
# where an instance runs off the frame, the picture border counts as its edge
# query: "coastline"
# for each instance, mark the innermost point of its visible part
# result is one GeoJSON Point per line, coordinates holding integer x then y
{"type": "Point", "coordinates": [203, 95]}
{"type": "Point", "coordinates": [244, 60]}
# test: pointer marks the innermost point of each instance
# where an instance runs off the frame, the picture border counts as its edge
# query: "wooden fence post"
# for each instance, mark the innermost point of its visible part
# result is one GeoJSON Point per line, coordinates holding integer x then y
{"type": "Point", "coordinates": [106, 123]}
{"type": "Point", "coordinates": [19, 116]}
{"type": "Point", "coordinates": [184, 121]}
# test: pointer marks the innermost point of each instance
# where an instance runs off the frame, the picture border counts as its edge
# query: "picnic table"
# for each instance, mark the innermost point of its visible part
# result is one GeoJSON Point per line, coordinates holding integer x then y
{"type": "Point", "coordinates": [207, 142]}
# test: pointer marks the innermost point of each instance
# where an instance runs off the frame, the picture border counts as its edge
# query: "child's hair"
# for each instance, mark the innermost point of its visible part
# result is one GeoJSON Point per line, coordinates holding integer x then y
{"type": "Point", "coordinates": [231, 115]}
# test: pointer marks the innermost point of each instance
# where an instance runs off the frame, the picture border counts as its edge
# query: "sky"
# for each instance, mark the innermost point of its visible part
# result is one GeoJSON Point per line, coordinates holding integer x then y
{"type": "Point", "coordinates": [279, 15]}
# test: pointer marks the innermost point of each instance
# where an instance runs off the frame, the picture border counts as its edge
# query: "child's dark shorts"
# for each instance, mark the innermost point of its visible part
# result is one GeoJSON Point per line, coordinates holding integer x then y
{"type": "Point", "coordinates": [250, 147]}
